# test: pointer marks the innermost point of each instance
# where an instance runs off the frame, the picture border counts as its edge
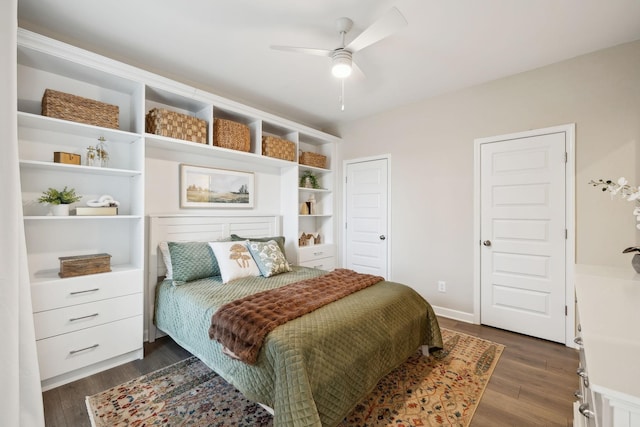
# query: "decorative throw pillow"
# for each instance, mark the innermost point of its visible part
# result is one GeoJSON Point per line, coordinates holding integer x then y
{"type": "Point", "coordinates": [269, 257]}
{"type": "Point", "coordinates": [166, 257]}
{"type": "Point", "coordinates": [192, 261]}
{"type": "Point", "coordinates": [279, 240]}
{"type": "Point", "coordinates": [235, 260]}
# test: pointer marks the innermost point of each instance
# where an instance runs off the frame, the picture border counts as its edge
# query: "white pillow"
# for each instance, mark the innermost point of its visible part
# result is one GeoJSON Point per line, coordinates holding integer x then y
{"type": "Point", "coordinates": [235, 260]}
{"type": "Point", "coordinates": [166, 257]}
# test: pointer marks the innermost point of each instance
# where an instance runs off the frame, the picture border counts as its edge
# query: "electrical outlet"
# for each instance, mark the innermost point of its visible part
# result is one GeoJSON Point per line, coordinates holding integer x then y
{"type": "Point", "coordinates": [442, 286]}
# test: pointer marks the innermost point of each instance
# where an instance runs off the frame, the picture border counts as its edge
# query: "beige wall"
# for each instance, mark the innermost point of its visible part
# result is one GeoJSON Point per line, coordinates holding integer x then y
{"type": "Point", "coordinates": [431, 148]}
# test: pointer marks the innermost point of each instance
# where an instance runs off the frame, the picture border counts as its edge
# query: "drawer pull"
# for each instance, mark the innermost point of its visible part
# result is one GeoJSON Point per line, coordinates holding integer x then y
{"type": "Point", "coordinates": [582, 373]}
{"type": "Point", "coordinates": [73, 319]}
{"type": "Point", "coordinates": [84, 292]}
{"type": "Point", "coordinates": [578, 394]}
{"type": "Point", "coordinates": [584, 410]}
{"type": "Point", "coordinates": [578, 340]}
{"type": "Point", "coordinates": [84, 349]}
{"type": "Point", "coordinates": [318, 266]}
{"type": "Point", "coordinates": [318, 253]}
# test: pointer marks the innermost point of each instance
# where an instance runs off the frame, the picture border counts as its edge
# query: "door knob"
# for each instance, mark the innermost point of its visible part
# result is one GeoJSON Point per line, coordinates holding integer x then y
{"type": "Point", "coordinates": [383, 237]}
{"type": "Point", "coordinates": [487, 243]}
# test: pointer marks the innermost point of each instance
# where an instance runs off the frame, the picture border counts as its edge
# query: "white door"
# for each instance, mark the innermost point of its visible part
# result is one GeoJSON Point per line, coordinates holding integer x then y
{"type": "Point", "coordinates": [366, 216]}
{"type": "Point", "coordinates": [523, 235]}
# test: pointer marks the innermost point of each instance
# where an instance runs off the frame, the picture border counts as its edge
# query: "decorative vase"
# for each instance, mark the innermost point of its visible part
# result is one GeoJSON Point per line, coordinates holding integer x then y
{"type": "Point", "coordinates": [635, 262]}
{"type": "Point", "coordinates": [59, 210]}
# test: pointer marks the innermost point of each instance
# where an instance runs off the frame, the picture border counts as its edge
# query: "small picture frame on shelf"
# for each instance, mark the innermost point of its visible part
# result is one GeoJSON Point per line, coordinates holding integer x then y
{"type": "Point", "coordinates": [203, 187]}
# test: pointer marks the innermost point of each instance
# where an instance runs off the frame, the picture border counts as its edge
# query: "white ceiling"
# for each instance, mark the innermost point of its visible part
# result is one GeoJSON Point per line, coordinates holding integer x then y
{"type": "Point", "coordinates": [223, 45]}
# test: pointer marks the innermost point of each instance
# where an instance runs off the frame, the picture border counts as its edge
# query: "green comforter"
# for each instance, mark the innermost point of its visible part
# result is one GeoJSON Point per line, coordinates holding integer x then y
{"type": "Point", "coordinates": [312, 370]}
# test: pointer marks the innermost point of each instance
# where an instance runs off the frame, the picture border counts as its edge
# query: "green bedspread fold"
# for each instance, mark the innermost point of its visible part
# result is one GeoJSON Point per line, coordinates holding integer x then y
{"type": "Point", "coordinates": [314, 369]}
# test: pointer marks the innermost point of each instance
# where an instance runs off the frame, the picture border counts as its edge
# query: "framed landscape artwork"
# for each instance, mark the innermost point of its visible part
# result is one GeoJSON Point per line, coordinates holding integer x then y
{"type": "Point", "coordinates": [202, 187]}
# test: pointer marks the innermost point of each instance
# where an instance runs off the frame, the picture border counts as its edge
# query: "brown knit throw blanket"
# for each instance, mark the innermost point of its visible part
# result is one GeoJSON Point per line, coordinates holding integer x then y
{"type": "Point", "coordinates": [241, 325]}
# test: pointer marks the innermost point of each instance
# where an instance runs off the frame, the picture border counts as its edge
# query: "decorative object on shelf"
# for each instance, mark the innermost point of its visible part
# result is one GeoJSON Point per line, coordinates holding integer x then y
{"type": "Point", "coordinates": [59, 201]}
{"type": "Point", "coordinates": [309, 180]}
{"type": "Point", "coordinates": [75, 108]}
{"type": "Point", "coordinates": [91, 156]}
{"type": "Point", "coordinates": [304, 208]}
{"type": "Point", "coordinates": [232, 135]}
{"type": "Point", "coordinates": [102, 154]}
{"type": "Point", "coordinates": [81, 265]}
{"type": "Point", "coordinates": [635, 261]}
{"type": "Point", "coordinates": [313, 159]}
{"type": "Point", "coordinates": [311, 204]}
{"type": "Point", "coordinates": [160, 121]}
{"type": "Point", "coordinates": [66, 158]}
{"type": "Point", "coordinates": [202, 187]}
{"type": "Point", "coordinates": [309, 239]}
{"type": "Point", "coordinates": [278, 148]}
{"type": "Point", "coordinates": [104, 201]}
{"type": "Point", "coordinates": [96, 211]}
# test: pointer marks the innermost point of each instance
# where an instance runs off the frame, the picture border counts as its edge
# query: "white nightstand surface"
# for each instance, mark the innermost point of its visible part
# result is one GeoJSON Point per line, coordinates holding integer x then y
{"type": "Point", "coordinates": [609, 308]}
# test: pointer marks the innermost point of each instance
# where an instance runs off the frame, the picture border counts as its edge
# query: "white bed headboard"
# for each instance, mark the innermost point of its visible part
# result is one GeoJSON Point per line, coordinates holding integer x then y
{"type": "Point", "coordinates": [202, 228]}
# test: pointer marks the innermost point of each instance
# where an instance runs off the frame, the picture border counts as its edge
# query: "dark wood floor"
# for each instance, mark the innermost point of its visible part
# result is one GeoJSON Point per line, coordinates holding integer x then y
{"type": "Point", "coordinates": [532, 384]}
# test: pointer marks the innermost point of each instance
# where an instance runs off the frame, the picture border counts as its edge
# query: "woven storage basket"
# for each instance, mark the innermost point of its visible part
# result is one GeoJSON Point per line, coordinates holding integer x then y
{"type": "Point", "coordinates": [230, 134]}
{"type": "Point", "coordinates": [160, 121]}
{"type": "Point", "coordinates": [278, 148]}
{"type": "Point", "coordinates": [78, 109]}
{"type": "Point", "coordinates": [313, 159]}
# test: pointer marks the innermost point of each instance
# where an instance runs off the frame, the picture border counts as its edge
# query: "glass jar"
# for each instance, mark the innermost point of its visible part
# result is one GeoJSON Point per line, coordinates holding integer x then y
{"type": "Point", "coordinates": [91, 156]}
{"type": "Point", "coordinates": [102, 155]}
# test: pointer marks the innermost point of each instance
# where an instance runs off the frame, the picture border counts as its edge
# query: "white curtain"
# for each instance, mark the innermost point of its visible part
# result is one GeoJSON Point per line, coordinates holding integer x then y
{"type": "Point", "coordinates": [21, 402]}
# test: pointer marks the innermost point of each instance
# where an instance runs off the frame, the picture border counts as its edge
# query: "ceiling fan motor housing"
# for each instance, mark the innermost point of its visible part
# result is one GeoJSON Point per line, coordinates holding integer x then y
{"type": "Point", "coordinates": [341, 63]}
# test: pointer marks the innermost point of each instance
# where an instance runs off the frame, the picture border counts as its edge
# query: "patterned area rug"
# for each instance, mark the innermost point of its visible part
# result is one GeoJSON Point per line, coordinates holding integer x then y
{"type": "Point", "coordinates": [441, 390]}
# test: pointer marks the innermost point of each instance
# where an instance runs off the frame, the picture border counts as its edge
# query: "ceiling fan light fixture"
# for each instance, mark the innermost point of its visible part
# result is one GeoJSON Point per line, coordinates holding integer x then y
{"type": "Point", "coordinates": [341, 67]}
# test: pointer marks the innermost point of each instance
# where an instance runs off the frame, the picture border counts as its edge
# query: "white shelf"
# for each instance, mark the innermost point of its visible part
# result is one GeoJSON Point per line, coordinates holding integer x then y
{"type": "Point", "coordinates": [34, 121]}
{"type": "Point", "coordinates": [80, 217]}
{"type": "Point", "coordinates": [314, 190]}
{"type": "Point", "coordinates": [51, 275]}
{"type": "Point", "coordinates": [63, 167]}
{"type": "Point", "coordinates": [185, 147]}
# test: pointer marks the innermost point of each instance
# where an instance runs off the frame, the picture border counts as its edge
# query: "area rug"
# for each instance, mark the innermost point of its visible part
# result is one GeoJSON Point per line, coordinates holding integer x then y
{"type": "Point", "coordinates": [443, 389]}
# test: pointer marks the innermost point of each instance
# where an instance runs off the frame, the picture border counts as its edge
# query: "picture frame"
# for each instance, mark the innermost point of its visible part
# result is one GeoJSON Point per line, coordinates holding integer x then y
{"type": "Point", "coordinates": [204, 187]}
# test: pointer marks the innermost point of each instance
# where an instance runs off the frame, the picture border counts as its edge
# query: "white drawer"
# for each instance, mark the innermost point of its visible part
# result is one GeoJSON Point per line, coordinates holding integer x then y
{"type": "Point", "coordinates": [82, 289]}
{"type": "Point", "coordinates": [68, 319]}
{"type": "Point", "coordinates": [315, 252]}
{"type": "Point", "coordinates": [321, 264]}
{"type": "Point", "coordinates": [65, 353]}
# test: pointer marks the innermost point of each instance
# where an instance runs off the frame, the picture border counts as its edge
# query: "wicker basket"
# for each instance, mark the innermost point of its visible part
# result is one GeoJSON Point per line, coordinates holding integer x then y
{"type": "Point", "coordinates": [278, 148]}
{"type": "Point", "coordinates": [160, 121]}
{"type": "Point", "coordinates": [78, 109]}
{"type": "Point", "coordinates": [230, 134]}
{"type": "Point", "coordinates": [313, 159]}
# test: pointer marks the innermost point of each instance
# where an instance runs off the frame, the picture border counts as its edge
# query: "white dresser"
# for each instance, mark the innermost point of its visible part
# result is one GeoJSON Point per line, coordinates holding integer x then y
{"type": "Point", "coordinates": [609, 337]}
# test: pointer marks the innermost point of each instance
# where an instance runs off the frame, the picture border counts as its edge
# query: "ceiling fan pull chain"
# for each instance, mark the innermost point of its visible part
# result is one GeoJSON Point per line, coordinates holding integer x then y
{"type": "Point", "coordinates": [342, 95]}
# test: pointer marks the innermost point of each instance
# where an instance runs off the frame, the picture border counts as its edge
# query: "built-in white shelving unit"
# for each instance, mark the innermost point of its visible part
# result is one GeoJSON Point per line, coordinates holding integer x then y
{"type": "Point", "coordinates": [89, 323]}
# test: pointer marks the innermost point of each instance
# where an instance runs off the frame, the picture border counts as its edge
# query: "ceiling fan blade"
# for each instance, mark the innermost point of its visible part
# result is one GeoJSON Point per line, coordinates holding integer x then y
{"type": "Point", "coordinates": [305, 50]}
{"type": "Point", "coordinates": [383, 27]}
{"type": "Point", "coordinates": [357, 71]}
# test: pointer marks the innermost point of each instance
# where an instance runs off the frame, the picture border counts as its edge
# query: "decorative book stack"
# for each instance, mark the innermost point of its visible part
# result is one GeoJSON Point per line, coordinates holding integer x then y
{"type": "Point", "coordinates": [96, 211]}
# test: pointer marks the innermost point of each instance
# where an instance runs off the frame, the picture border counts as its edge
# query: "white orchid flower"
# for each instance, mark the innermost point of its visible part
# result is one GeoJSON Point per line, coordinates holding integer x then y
{"type": "Point", "coordinates": [634, 196]}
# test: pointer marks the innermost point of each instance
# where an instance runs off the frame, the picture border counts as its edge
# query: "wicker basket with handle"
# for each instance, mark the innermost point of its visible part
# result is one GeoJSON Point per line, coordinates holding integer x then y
{"type": "Point", "coordinates": [75, 108]}
{"type": "Point", "coordinates": [313, 159]}
{"type": "Point", "coordinates": [278, 148]}
{"type": "Point", "coordinates": [161, 121]}
{"type": "Point", "coordinates": [232, 135]}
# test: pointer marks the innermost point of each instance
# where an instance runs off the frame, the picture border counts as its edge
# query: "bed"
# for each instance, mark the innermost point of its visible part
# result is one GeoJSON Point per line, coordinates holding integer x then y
{"type": "Point", "coordinates": [312, 370]}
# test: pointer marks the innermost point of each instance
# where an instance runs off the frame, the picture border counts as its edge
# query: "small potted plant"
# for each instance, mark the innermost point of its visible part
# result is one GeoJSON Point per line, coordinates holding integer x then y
{"type": "Point", "coordinates": [59, 201]}
{"type": "Point", "coordinates": [308, 180]}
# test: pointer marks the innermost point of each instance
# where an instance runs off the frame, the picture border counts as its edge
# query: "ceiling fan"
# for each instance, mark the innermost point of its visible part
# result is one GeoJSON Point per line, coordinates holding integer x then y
{"type": "Point", "coordinates": [342, 57]}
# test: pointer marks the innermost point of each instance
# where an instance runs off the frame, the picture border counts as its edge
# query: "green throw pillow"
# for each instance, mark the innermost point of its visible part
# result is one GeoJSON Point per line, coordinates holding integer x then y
{"type": "Point", "coordinates": [278, 239]}
{"type": "Point", "coordinates": [192, 261]}
{"type": "Point", "coordinates": [269, 257]}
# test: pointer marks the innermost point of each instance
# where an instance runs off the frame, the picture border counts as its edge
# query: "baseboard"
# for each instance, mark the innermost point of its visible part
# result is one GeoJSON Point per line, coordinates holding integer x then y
{"type": "Point", "coordinates": [453, 314]}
